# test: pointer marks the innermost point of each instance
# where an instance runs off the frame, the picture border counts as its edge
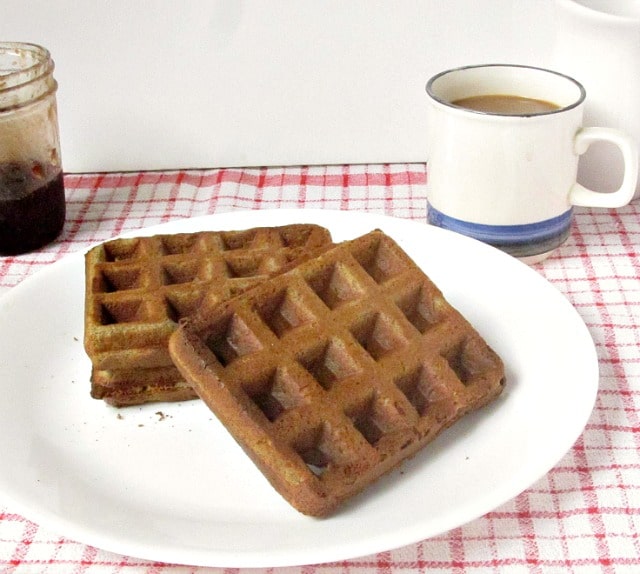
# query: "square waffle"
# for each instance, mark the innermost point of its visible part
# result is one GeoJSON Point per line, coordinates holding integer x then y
{"type": "Point", "coordinates": [331, 374]}
{"type": "Point", "coordinates": [138, 289]}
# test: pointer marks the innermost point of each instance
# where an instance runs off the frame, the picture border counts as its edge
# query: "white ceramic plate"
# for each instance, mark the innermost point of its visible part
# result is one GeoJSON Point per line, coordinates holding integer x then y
{"type": "Point", "coordinates": [165, 481]}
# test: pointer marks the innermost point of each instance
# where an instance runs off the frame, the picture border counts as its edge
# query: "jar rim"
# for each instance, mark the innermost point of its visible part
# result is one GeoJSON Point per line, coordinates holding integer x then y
{"type": "Point", "coordinates": [38, 57]}
{"type": "Point", "coordinates": [27, 75]}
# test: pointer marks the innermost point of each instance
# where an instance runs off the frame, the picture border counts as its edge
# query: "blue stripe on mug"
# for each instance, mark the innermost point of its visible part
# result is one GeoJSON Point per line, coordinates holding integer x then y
{"type": "Point", "coordinates": [518, 240]}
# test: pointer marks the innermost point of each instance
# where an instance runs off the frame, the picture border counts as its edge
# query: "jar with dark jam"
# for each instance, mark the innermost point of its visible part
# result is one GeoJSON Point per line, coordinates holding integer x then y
{"type": "Point", "coordinates": [32, 197]}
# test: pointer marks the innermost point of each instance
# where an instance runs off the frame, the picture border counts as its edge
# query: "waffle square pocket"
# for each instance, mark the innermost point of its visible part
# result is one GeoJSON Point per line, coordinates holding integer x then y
{"type": "Point", "coordinates": [333, 373]}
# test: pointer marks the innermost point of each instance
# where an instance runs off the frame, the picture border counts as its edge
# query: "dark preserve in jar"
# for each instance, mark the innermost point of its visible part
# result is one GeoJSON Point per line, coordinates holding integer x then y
{"type": "Point", "coordinates": [32, 207]}
{"type": "Point", "coordinates": [32, 197]}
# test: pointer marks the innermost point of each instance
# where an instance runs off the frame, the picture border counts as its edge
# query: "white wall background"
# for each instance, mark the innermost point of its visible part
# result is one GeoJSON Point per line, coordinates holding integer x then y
{"type": "Point", "coordinates": [152, 84]}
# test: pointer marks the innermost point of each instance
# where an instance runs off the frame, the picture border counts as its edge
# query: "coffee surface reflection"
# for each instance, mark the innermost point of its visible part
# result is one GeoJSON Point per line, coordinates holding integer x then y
{"type": "Point", "coordinates": [506, 105]}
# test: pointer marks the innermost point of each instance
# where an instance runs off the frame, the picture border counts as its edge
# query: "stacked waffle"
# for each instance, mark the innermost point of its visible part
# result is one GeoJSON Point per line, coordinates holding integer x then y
{"type": "Point", "coordinates": [331, 374]}
{"type": "Point", "coordinates": [137, 290]}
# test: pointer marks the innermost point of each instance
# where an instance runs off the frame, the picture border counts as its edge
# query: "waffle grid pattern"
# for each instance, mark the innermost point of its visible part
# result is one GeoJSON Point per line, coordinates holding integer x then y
{"type": "Point", "coordinates": [138, 289]}
{"type": "Point", "coordinates": [347, 364]}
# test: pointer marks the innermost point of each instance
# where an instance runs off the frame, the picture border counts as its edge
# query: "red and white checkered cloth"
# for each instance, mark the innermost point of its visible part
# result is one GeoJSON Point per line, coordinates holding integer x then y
{"type": "Point", "coordinates": [582, 517]}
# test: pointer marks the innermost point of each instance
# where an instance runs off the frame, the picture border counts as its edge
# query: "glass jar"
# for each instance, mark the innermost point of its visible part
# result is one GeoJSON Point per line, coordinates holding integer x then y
{"type": "Point", "coordinates": [32, 198]}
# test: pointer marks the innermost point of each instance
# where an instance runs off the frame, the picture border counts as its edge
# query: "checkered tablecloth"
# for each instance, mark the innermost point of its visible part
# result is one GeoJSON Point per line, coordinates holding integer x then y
{"type": "Point", "coordinates": [582, 517]}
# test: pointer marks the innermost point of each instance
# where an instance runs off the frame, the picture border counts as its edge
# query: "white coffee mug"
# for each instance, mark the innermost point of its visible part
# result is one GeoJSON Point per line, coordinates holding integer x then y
{"type": "Point", "coordinates": [510, 180]}
{"type": "Point", "coordinates": [597, 42]}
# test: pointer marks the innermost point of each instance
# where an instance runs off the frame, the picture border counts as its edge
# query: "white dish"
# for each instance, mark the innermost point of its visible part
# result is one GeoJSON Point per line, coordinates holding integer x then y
{"type": "Point", "coordinates": [165, 482]}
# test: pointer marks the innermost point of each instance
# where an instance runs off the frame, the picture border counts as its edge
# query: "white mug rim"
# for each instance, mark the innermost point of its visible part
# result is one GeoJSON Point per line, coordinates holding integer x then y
{"type": "Point", "coordinates": [444, 102]}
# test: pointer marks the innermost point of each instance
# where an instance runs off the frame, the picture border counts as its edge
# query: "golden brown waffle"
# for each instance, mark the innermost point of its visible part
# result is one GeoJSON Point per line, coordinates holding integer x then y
{"type": "Point", "coordinates": [138, 289]}
{"type": "Point", "coordinates": [333, 373]}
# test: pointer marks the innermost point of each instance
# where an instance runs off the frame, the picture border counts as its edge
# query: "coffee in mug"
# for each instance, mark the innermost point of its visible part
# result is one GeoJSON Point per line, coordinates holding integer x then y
{"type": "Point", "coordinates": [505, 104]}
{"type": "Point", "coordinates": [506, 174]}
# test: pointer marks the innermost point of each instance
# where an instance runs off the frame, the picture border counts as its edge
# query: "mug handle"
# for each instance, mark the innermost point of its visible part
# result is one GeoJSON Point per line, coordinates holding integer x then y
{"type": "Point", "coordinates": [580, 195]}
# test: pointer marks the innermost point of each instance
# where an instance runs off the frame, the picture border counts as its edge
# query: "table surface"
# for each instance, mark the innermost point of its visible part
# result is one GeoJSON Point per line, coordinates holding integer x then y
{"type": "Point", "coordinates": [583, 516]}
